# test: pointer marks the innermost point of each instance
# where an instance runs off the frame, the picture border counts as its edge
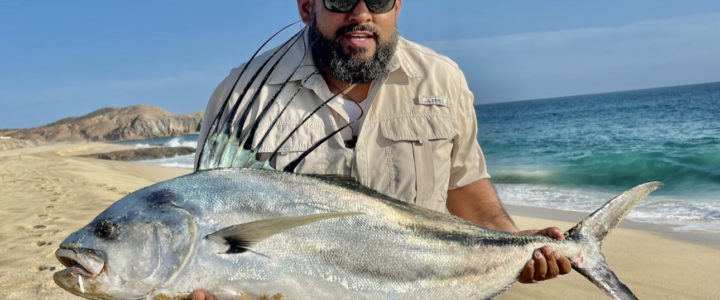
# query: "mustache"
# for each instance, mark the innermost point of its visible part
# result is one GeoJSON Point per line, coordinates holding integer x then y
{"type": "Point", "coordinates": [357, 27]}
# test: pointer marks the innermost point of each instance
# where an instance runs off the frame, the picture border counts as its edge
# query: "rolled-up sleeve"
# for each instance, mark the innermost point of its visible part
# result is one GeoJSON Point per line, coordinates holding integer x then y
{"type": "Point", "coordinates": [467, 161]}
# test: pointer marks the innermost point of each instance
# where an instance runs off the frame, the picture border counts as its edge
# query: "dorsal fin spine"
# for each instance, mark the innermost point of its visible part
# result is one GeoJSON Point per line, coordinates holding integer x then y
{"type": "Point", "coordinates": [231, 146]}
{"type": "Point", "coordinates": [229, 149]}
{"type": "Point", "coordinates": [211, 140]}
{"type": "Point", "coordinates": [307, 117]}
{"type": "Point", "coordinates": [250, 160]}
{"type": "Point", "coordinates": [290, 167]}
{"type": "Point", "coordinates": [274, 121]}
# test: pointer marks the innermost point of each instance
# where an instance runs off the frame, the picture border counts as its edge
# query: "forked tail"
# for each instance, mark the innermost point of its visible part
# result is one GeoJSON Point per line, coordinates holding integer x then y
{"type": "Point", "coordinates": [590, 233]}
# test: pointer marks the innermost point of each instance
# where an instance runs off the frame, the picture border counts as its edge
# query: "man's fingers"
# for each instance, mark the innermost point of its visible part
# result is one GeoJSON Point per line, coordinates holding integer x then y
{"type": "Point", "coordinates": [198, 295]}
{"type": "Point", "coordinates": [563, 263]}
{"type": "Point", "coordinates": [552, 266]}
{"type": "Point", "coordinates": [527, 274]}
{"type": "Point", "coordinates": [545, 263]}
{"type": "Point", "coordinates": [202, 295]}
{"type": "Point", "coordinates": [540, 265]}
{"type": "Point", "coordinates": [552, 232]}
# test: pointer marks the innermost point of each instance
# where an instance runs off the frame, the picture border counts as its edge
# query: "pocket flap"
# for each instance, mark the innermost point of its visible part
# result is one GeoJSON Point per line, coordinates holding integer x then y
{"type": "Point", "coordinates": [418, 128]}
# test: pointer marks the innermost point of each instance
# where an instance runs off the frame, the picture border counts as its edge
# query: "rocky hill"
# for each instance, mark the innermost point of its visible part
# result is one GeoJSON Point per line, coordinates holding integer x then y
{"type": "Point", "coordinates": [110, 124]}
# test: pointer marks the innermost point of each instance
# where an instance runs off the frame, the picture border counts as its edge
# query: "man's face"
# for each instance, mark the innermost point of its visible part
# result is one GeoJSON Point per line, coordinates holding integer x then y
{"type": "Point", "coordinates": [354, 46]}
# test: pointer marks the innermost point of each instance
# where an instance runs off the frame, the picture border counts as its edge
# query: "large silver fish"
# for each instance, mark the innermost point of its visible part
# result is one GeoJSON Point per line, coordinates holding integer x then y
{"type": "Point", "coordinates": [257, 232]}
{"type": "Point", "coordinates": [238, 227]}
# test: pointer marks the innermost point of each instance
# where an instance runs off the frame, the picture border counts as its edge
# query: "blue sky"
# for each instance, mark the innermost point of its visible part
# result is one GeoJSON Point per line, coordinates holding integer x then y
{"type": "Point", "coordinates": [67, 58]}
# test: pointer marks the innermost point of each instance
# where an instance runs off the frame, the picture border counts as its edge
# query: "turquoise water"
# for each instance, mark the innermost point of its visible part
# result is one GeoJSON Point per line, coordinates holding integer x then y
{"type": "Point", "coordinates": [573, 152]}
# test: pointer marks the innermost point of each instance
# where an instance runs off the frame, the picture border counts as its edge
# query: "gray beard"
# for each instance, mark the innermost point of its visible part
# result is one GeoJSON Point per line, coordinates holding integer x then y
{"type": "Point", "coordinates": [351, 68]}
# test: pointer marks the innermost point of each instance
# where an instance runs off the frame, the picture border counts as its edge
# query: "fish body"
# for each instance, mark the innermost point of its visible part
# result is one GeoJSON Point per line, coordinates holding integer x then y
{"type": "Point", "coordinates": [238, 232]}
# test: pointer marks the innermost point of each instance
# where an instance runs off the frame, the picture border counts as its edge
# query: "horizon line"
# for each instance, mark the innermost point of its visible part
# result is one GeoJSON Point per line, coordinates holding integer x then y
{"type": "Point", "coordinates": [600, 93]}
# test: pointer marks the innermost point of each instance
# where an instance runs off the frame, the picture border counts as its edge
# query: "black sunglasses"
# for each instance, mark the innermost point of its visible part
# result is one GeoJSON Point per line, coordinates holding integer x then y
{"type": "Point", "coordinates": [374, 6]}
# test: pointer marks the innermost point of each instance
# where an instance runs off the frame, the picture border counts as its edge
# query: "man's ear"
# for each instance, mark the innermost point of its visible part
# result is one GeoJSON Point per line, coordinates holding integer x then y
{"type": "Point", "coordinates": [305, 8]}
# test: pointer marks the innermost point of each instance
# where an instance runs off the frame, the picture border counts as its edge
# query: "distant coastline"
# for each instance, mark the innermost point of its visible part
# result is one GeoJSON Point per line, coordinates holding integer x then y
{"type": "Point", "coordinates": [109, 124]}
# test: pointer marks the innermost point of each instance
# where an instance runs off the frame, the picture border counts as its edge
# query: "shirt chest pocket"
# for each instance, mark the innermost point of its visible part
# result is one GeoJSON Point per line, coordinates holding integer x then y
{"type": "Point", "coordinates": [418, 152]}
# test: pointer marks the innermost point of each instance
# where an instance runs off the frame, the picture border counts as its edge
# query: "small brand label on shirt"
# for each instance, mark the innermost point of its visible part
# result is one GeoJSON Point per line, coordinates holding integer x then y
{"type": "Point", "coordinates": [432, 100]}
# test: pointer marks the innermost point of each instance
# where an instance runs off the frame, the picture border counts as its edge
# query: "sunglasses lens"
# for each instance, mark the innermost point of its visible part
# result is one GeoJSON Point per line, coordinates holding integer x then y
{"type": "Point", "coordinates": [341, 6]}
{"type": "Point", "coordinates": [375, 6]}
{"type": "Point", "coordinates": [380, 6]}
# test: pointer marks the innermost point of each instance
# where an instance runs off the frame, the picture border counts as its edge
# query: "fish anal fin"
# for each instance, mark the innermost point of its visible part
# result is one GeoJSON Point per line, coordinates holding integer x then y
{"type": "Point", "coordinates": [241, 237]}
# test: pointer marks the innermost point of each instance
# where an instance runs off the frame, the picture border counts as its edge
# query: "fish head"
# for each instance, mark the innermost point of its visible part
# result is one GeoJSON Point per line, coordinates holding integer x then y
{"type": "Point", "coordinates": [130, 249]}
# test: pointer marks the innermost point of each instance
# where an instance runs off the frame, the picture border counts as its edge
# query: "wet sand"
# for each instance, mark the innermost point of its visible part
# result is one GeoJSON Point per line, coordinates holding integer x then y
{"type": "Point", "coordinates": [47, 192]}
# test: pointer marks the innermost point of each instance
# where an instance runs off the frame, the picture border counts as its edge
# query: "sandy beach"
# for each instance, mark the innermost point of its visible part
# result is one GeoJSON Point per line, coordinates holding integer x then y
{"type": "Point", "coordinates": [47, 192]}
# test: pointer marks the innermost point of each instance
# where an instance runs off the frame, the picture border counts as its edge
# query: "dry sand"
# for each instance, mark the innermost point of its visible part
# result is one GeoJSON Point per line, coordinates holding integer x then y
{"type": "Point", "coordinates": [47, 192]}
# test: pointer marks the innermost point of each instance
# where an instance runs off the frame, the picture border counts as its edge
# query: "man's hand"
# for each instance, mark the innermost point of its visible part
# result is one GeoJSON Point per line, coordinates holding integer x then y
{"type": "Point", "coordinates": [202, 295]}
{"type": "Point", "coordinates": [478, 203]}
{"type": "Point", "coordinates": [545, 263]}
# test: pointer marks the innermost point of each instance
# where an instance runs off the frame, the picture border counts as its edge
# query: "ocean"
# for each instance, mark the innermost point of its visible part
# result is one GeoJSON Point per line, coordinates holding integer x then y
{"type": "Point", "coordinates": [574, 153]}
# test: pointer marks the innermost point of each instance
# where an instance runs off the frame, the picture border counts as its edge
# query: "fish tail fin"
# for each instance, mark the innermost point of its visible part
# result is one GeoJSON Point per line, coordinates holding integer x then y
{"type": "Point", "coordinates": [591, 231]}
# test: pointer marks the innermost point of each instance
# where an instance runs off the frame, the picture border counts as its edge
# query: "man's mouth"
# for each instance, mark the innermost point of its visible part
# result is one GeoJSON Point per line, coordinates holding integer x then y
{"type": "Point", "coordinates": [359, 38]}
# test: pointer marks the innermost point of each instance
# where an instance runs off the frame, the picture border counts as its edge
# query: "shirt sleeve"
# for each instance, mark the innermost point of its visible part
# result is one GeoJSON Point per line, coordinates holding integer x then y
{"type": "Point", "coordinates": [467, 161]}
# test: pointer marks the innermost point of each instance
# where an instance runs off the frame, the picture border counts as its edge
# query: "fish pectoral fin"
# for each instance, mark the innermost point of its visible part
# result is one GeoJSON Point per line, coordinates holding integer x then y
{"type": "Point", "coordinates": [241, 237]}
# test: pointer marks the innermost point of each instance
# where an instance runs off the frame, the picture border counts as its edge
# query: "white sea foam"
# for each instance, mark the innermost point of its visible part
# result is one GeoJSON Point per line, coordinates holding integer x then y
{"type": "Point", "coordinates": [680, 214]}
{"type": "Point", "coordinates": [181, 161]}
{"type": "Point", "coordinates": [181, 142]}
{"type": "Point", "coordinates": [178, 141]}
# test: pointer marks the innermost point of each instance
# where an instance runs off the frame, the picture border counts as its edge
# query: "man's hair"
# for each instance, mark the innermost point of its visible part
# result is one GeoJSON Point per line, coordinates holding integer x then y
{"type": "Point", "coordinates": [351, 68]}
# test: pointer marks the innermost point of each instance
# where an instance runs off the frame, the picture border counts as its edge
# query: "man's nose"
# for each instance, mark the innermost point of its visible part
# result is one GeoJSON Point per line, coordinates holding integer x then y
{"type": "Point", "coordinates": [360, 14]}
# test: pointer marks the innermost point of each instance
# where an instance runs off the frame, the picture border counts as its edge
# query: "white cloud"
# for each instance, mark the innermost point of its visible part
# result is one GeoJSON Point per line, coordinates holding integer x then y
{"type": "Point", "coordinates": [588, 60]}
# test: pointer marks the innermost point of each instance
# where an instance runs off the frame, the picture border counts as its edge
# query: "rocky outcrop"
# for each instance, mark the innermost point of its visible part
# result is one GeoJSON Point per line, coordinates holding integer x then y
{"type": "Point", "coordinates": [112, 124]}
{"type": "Point", "coordinates": [144, 153]}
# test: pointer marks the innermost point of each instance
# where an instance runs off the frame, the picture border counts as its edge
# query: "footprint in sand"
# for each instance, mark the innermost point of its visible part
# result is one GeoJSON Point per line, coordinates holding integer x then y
{"type": "Point", "coordinates": [39, 226]}
{"type": "Point", "coordinates": [49, 219]}
{"type": "Point", "coordinates": [42, 243]}
{"type": "Point", "coordinates": [50, 233]}
{"type": "Point", "coordinates": [42, 268]}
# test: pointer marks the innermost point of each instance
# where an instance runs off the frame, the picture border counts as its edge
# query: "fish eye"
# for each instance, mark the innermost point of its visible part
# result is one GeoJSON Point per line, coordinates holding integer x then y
{"type": "Point", "coordinates": [106, 229]}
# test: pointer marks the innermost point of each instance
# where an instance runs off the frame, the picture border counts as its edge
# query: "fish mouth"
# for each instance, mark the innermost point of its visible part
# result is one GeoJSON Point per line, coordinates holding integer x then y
{"type": "Point", "coordinates": [89, 263]}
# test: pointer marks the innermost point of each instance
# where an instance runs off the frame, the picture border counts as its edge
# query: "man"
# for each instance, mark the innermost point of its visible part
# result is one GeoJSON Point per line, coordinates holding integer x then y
{"type": "Point", "coordinates": [414, 127]}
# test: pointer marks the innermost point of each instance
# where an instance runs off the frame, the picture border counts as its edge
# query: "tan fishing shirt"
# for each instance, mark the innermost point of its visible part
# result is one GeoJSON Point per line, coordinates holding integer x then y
{"type": "Point", "coordinates": [418, 140]}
